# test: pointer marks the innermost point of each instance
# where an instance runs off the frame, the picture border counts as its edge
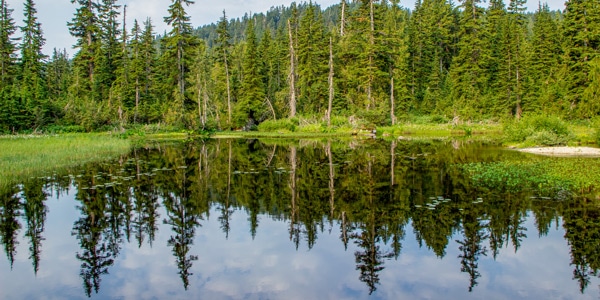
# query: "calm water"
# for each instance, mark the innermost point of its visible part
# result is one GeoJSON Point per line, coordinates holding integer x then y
{"type": "Point", "coordinates": [231, 219]}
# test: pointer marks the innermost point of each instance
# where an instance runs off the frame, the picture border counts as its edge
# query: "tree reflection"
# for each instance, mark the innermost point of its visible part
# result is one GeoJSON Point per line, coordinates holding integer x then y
{"type": "Point", "coordinates": [35, 215]}
{"type": "Point", "coordinates": [371, 189]}
{"type": "Point", "coordinates": [96, 255]}
{"type": "Point", "coordinates": [183, 217]}
{"type": "Point", "coordinates": [10, 211]}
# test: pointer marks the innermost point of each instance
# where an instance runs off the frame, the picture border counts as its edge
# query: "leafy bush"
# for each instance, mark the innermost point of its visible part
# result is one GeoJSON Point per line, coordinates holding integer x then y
{"type": "Point", "coordinates": [65, 129]}
{"type": "Point", "coordinates": [374, 118]}
{"type": "Point", "coordinates": [538, 130]}
{"type": "Point", "coordinates": [279, 125]}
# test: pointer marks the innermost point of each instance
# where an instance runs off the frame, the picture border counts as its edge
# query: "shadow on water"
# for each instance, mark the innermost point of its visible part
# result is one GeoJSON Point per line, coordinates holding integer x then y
{"type": "Point", "coordinates": [371, 191]}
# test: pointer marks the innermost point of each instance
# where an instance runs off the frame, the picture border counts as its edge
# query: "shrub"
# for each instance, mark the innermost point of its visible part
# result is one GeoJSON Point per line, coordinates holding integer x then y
{"type": "Point", "coordinates": [279, 125]}
{"type": "Point", "coordinates": [538, 130]}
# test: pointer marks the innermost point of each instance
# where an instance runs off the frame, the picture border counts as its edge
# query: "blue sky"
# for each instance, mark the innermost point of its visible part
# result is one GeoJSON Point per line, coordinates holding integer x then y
{"type": "Point", "coordinates": [54, 14]}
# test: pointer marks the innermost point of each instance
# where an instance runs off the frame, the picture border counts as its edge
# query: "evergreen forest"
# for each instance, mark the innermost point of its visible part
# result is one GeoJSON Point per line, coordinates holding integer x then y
{"type": "Point", "coordinates": [367, 59]}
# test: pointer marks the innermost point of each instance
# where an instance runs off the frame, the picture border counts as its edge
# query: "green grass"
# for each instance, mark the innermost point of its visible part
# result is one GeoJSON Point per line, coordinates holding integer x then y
{"type": "Point", "coordinates": [28, 156]}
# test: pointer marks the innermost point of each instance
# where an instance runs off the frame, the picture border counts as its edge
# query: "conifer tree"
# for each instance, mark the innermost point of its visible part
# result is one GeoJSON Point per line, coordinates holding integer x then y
{"type": "Point", "coordinates": [178, 52]}
{"type": "Point", "coordinates": [7, 45]}
{"type": "Point", "coordinates": [396, 52]}
{"type": "Point", "coordinates": [497, 37]}
{"type": "Point", "coordinates": [223, 45]}
{"type": "Point", "coordinates": [544, 61]}
{"type": "Point", "coordinates": [312, 58]}
{"type": "Point", "coordinates": [147, 62]}
{"type": "Point", "coordinates": [32, 86]}
{"type": "Point", "coordinates": [515, 57]}
{"type": "Point", "coordinates": [109, 53]}
{"type": "Point", "coordinates": [85, 28]}
{"type": "Point", "coordinates": [249, 109]}
{"type": "Point", "coordinates": [431, 47]}
{"type": "Point", "coordinates": [8, 105]}
{"type": "Point", "coordinates": [58, 75]}
{"type": "Point", "coordinates": [468, 72]}
{"type": "Point", "coordinates": [582, 45]}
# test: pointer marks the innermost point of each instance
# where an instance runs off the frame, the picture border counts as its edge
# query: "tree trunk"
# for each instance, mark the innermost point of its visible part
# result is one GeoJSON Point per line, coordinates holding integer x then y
{"type": "Point", "coordinates": [228, 89]}
{"type": "Point", "coordinates": [292, 73]}
{"type": "Point", "coordinates": [331, 73]}
{"type": "Point", "coordinates": [343, 21]}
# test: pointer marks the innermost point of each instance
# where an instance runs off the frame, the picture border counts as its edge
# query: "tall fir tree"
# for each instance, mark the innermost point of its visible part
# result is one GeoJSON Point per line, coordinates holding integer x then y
{"type": "Point", "coordinates": [544, 62]}
{"type": "Point", "coordinates": [109, 53]}
{"type": "Point", "coordinates": [32, 86]}
{"type": "Point", "coordinates": [177, 56]}
{"type": "Point", "coordinates": [397, 55]}
{"type": "Point", "coordinates": [514, 66]}
{"type": "Point", "coordinates": [468, 72]}
{"type": "Point", "coordinates": [85, 28]}
{"type": "Point", "coordinates": [250, 108]}
{"type": "Point", "coordinates": [431, 34]}
{"type": "Point", "coordinates": [312, 62]}
{"type": "Point", "coordinates": [223, 45]}
{"type": "Point", "coordinates": [8, 105]}
{"type": "Point", "coordinates": [582, 45]}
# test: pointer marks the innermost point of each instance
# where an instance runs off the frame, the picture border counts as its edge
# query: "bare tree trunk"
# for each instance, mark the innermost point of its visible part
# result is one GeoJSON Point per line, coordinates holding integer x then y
{"type": "Point", "coordinates": [228, 89]}
{"type": "Point", "coordinates": [331, 73]}
{"type": "Point", "coordinates": [137, 99]}
{"type": "Point", "coordinates": [292, 73]}
{"type": "Point", "coordinates": [343, 21]}
{"type": "Point", "coordinates": [372, 43]}
{"type": "Point", "coordinates": [271, 108]}
{"type": "Point", "coordinates": [392, 99]}
{"type": "Point", "coordinates": [198, 100]}
{"type": "Point", "coordinates": [204, 104]}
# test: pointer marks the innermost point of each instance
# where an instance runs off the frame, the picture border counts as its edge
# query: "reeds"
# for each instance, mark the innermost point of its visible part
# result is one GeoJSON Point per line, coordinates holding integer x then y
{"type": "Point", "coordinates": [33, 155]}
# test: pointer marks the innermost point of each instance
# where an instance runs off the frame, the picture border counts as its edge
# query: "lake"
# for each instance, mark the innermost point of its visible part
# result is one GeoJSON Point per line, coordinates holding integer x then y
{"type": "Point", "coordinates": [294, 219]}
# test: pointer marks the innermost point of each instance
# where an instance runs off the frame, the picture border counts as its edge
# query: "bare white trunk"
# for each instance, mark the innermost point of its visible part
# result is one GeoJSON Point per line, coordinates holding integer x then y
{"type": "Point", "coordinates": [331, 91]}
{"type": "Point", "coordinates": [292, 73]}
{"type": "Point", "coordinates": [343, 21]}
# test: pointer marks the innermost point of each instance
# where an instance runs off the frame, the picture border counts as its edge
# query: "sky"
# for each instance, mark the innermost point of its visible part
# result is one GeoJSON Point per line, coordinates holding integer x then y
{"type": "Point", "coordinates": [54, 14]}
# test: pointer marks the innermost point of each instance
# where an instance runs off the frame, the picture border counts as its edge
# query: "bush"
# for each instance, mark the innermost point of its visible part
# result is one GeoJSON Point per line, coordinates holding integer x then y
{"type": "Point", "coordinates": [538, 130]}
{"type": "Point", "coordinates": [64, 129]}
{"type": "Point", "coordinates": [279, 125]}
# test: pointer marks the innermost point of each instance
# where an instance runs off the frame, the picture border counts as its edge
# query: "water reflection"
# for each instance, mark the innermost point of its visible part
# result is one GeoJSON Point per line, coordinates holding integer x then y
{"type": "Point", "coordinates": [373, 197]}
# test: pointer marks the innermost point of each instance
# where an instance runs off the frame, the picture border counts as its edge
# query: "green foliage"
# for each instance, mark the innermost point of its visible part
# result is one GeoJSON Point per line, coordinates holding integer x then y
{"type": "Point", "coordinates": [285, 125]}
{"type": "Point", "coordinates": [61, 129]}
{"type": "Point", "coordinates": [538, 130]}
{"type": "Point", "coordinates": [543, 175]}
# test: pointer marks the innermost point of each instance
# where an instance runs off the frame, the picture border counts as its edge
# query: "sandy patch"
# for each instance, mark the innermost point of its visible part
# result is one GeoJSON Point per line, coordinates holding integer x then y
{"type": "Point", "coordinates": [564, 151]}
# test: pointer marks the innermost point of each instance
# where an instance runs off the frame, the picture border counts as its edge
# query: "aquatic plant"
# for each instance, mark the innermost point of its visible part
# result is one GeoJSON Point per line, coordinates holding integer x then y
{"type": "Point", "coordinates": [545, 175]}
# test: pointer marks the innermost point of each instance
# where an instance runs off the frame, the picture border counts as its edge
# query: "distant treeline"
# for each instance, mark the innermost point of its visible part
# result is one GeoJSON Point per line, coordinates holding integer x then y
{"type": "Point", "coordinates": [372, 59]}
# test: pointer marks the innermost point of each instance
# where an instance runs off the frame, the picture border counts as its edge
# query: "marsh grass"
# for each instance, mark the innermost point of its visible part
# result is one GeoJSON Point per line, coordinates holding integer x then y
{"type": "Point", "coordinates": [28, 156]}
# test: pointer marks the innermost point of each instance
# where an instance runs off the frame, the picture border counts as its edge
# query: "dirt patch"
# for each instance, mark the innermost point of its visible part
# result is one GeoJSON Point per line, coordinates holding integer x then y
{"type": "Point", "coordinates": [564, 151]}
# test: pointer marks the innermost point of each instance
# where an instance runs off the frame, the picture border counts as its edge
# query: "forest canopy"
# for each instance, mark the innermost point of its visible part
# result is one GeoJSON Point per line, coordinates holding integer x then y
{"type": "Point", "coordinates": [374, 60]}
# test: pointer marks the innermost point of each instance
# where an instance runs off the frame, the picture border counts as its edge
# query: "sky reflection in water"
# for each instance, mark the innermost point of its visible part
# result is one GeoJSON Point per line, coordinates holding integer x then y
{"type": "Point", "coordinates": [269, 265]}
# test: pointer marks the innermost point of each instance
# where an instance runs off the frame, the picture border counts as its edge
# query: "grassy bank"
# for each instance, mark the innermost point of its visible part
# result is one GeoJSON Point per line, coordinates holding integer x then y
{"type": "Point", "coordinates": [25, 156]}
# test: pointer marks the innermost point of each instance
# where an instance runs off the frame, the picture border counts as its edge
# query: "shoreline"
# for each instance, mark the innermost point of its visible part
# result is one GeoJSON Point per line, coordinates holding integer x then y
{"type": "Point", "coordinates": [563, 151]}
